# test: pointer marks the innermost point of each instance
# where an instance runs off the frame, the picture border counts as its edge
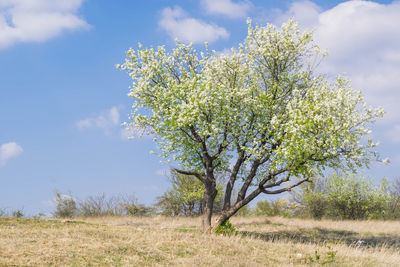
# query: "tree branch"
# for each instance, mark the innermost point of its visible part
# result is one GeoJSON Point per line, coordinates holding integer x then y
{"type": "Point", "coordinates": [229, 186]}
{"type": "Point", "coordinates": [278, 183]}
{"type": "Point", "coordinates": [193, 173]}
{"type": "Point", "coordinates": [222, 146]}
{"type": "Point", "coordinates": [262, 188]}
{"type": "Point", "coordinates": [249, 179]}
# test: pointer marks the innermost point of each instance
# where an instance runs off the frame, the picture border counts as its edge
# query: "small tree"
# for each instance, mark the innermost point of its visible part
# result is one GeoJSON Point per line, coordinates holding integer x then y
{"type": "Point", "coordinates": [351, 197]}
{"type": "Point", "coordinates": [185, 197]}
{"type": "Point", "coordinates": [260, 114]}
{"type": "Point", "coordinates": [65, 206]}
{"type": "Point", "coordinates": [311, 199]}
{"type": "Point", "coordinates": [278, 207]}
{"type": "Point", "coordinates": [343, 196]}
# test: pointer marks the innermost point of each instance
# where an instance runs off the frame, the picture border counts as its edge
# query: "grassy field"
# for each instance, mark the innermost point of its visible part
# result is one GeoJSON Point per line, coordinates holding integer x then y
{"type": "Point", "coordinates": [161, 241]}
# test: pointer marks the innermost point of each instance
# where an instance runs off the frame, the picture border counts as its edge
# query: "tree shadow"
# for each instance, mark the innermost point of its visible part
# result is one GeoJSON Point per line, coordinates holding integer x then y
{"type": "Point", "coordinates": [327, 236]}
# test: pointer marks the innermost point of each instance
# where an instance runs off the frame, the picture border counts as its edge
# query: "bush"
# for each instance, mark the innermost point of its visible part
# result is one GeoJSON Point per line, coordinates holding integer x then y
{"type": "Point", "coordinates": [99, 205]}
{"type": "Point", "coordinates": [393, 205]}
{"type": "Point", "coordinates": [185, 197]}
{"type": "Point", "coordinates": [65, 206]}
{"type": "Point", "coordinates": [39, 216]}
{"type": "Point", "coordinates": [226, 228]}
{"type": "Point", "coordinates": [120, 205]}
{"type": "Point", "coordinates": [18, 214]}
{"type": "Point", "coordinates": [94, 206]}
{"type": "Point", "coordinates": [355, 198]}
{"type": "Point", "coordinates": [342, 197]}
{"type": "Point", "coordinates": [311, 199]}
{"type": "Point", "coordinates": [278, 207]}
{"type": "Point", "coordinates": [316, 204]}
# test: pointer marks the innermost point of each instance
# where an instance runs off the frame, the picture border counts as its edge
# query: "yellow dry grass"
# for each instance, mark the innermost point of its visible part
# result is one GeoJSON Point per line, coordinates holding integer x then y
{"type": "Point", "coordinates": [161, 241]}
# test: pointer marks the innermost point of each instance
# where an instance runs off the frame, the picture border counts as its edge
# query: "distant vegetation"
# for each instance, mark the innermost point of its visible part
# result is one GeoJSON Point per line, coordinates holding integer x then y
{"type": "Point", "coordinates": [99, 205]}
{"type": "Point", "coordinates": [348, 197]}
{"type": "Point", "coordinates": [338, 196]}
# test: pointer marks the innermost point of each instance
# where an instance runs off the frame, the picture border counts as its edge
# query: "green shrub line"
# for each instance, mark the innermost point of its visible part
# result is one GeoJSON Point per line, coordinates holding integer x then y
{"type": "Point", "coordinates": [344, 196]}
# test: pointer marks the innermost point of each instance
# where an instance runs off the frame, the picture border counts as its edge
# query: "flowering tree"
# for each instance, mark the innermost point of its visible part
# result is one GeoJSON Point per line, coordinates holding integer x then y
{"type": "Point", "coordinates": [259, 115]}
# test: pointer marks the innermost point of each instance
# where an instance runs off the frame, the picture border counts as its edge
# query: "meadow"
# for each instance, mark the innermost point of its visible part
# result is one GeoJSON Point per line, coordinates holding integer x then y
{"type": "Point", "coordinates": [167, 241]}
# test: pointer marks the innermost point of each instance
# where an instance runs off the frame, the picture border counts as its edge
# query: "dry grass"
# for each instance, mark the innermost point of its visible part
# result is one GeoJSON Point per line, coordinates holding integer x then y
{"type": "Point", "coordinates": [161, 241]}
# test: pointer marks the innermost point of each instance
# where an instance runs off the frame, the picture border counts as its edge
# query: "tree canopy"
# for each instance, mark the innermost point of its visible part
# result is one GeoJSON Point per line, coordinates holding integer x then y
{"type": "Point", "coordinates": [261, 114]}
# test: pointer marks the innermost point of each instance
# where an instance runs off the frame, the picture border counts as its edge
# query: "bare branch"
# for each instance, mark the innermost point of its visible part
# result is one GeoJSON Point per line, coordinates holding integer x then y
{"type": "Point", "coordinates": [262, 188]}
{"type": "Point", "coordinates": [193, 173]}
{"type": "Point", "coordinates": [278, 183]}
{"type": "Point", "coordinates": [248, 180]}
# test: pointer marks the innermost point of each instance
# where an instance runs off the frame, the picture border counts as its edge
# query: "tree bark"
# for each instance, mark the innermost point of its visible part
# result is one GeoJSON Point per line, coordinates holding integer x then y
{"type": "Point", "coordinates": [210, 193]}
{"type": "Point", "coordinates": [232, 179]}
{"type": "Point", "coordinates": [247, 182]}
{"type": "Point", "coordinates": [230, 212]}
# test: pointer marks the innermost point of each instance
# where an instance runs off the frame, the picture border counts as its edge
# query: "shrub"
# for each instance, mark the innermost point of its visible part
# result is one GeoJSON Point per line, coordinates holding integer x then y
{"type": "Point", "coordinates": [120, 205]}
{"type": "Point", "coordinates": [40, 215]}
{"type": "Point", "coordinates": [65, 206]}
{"type": "Point", "coordinates": [311, 199]}
{"type": "Point", "coordinates": [18, 214]}
{"type": "Point", "coordinates": [226, 228]}
{"type": "Point", "coordinates": [278, 207]}
{"type": "Point", "coordinates": [185, 197]}
{"type": "Point", "coordinates": [393, 205]}
{"type": "Point", "coordinates": [99, 205]}
{"type": "Point", "coordinates": [316, 204]}
{"type": "Point", "coordinates": [342, 197]}
{"type": "Point", "coordinates": [354, 198]}
{"type": "Point", "coordinates": [94, 206]}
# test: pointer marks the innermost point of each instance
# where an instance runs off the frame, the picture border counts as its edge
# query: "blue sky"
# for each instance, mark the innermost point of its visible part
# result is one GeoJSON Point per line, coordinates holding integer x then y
{"type": "Point", "coordinates": [62, 100]}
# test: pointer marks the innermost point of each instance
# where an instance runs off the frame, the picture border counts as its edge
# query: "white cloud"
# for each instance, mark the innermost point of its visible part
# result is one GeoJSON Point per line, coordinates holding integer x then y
{"type": "Point", "coordinates": [363, 40]}
{"type": "Point", "coordinates": [305, 12]}
{"type": "Point", "coordinates": [8, 151]}
{"type": "Point", "coordinates": [226, 8]}
{"type": "Point", "coordinates": [179, 25]}
{"type": "Point", "coordinates": [105, 121]}
{"type": "Point", "coordinates": [37, 20]}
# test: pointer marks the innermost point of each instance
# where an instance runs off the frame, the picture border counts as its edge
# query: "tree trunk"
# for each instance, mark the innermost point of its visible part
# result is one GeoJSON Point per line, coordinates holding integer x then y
{"type": "Point", "coordinates": [230, 212]}
{"type": "Point", "coordinates": [228, 195]}
{"type": "Point", "coordinates": [232, 179]}
{"type": "Point", "coordinates": [210, 193]}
